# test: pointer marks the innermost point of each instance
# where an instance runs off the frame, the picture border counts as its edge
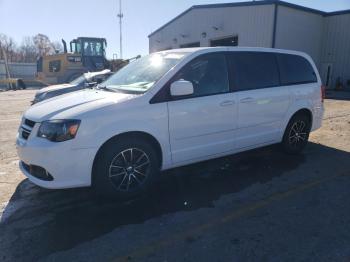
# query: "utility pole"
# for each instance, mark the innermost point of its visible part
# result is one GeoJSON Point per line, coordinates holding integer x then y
{"type": "Point", "coordinates": [7, 69]}
{"type": "Point", "coordinates": [8, 76]}
{"type": "Point", "coordinates": [120, 16]}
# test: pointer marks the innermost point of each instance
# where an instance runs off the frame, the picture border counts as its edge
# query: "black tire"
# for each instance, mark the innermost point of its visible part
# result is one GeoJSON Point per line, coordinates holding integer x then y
{"type": "Point", "coordinates": [296, 135]}
{"type": "Point", "coordinates": [110, 180]}
{"type": "Point", "coordinates": [21, 84]}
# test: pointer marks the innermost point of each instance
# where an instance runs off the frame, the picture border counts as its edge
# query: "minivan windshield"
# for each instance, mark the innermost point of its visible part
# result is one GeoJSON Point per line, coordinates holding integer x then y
{"type": "Point", "coordinates": [140, 75]}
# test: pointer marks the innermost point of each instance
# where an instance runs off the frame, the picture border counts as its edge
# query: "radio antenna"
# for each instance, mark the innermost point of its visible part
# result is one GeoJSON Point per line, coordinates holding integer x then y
{"type": "Point", "coordinates": [120, 16]}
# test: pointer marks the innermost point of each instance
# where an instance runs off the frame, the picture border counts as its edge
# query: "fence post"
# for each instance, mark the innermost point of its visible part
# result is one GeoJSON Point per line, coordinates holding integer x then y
{"type": "Point", "coordinates": [6, 66]}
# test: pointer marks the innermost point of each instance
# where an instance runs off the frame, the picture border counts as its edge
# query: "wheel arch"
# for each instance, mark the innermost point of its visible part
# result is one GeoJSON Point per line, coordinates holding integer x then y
{"type": "Point", "coordinates": [301, 110]}
{"type": "Point", "coordinates": [299, 144]}
{"type": "Point", "coordinates": [130, 134]}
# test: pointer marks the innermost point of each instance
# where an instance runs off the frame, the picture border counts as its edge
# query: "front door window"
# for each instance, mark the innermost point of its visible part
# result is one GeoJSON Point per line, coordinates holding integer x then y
{"type": "Point", "coordinates": [208, 74]}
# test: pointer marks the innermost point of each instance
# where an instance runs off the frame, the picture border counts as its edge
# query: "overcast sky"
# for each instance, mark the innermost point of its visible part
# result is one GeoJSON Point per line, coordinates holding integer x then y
{"type": "Point", "coordinates": [69, 19]}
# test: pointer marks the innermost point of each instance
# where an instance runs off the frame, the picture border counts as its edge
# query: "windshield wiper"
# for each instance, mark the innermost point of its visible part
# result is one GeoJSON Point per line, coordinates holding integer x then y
{"type": "Point", "coordinates": [104, 88]}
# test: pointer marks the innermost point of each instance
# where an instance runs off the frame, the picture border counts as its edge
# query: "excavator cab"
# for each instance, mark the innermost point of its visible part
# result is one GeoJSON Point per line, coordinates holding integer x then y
{"type": "Point", "coordinates": [92, 51]}
{"type": "Point", "coordinates": [88, 46]}
{"type": "Point", "coordinates": [87, 54]}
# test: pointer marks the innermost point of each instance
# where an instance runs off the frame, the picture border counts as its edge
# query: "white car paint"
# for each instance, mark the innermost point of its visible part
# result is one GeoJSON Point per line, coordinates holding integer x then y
{"type": "Point", "coordinates": [202, 126]}
{"type": "Point", "coordinates": [187, 131]}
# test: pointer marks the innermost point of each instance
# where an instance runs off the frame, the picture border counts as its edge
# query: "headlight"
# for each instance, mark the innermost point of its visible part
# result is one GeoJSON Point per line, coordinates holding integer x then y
{"type": "Point", "coordinates": [58, 130]}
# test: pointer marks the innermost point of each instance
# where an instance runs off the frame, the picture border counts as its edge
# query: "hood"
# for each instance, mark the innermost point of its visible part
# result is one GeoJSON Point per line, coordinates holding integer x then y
{"type": "Point", "coordinates": [73, 104]}
{"type": "Point", "coordinates": [53, 88]}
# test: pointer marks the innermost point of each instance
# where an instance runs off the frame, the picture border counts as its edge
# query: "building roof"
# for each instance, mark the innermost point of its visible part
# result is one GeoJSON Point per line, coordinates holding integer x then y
{"type": "Point", "coordinates": [254, 3]}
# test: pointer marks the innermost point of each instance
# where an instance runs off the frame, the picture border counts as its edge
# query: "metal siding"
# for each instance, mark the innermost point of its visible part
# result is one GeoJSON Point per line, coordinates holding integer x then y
{"type": "Point", "coordinates": [18, 70]}
{"type": "Point", "coordinates": [252, 24]}
{"type": "Point", "coordinates": [250, 3]}
{"type": "Point", "coordinates": [324, 36]}
{"type": "Point", "coordinates": [300, 30]}
{"type": "Point", "coordinates": [336, 46]}
{"type": "Point", "coordinates": [2, 70]}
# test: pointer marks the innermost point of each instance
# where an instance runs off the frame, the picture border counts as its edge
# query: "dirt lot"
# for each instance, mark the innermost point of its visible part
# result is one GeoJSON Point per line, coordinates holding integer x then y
{"type": "Point", "coordinates": [257, 206]}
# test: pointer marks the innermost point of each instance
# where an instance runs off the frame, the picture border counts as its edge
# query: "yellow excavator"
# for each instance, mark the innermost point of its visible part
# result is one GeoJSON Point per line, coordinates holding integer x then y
{"type": "Point", "coordinates": [87, 54]}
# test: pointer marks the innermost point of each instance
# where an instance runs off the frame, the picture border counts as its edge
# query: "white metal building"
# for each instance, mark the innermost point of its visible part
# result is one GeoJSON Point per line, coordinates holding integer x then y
{"type": "Point", "coordinates": [18, 70]}
{"type": "Point", "coordinates": [269, 23]}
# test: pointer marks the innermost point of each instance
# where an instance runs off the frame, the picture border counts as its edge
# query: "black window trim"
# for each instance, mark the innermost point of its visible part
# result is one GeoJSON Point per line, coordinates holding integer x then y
{"type": "Point", "coordinates": [300, 82]}
{"type": "Point", "coordinates": [235, 84]}
{"type": "Point", "coordinates": [157, 98]}
{"type": "Point", "coordinates": [165, 89]}
{"type": "Point", "coordinates": [236, 89]}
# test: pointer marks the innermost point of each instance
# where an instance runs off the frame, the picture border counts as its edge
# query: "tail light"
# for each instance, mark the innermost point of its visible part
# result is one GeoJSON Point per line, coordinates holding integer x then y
{"type": "Point", "coordinates": [323, 92]}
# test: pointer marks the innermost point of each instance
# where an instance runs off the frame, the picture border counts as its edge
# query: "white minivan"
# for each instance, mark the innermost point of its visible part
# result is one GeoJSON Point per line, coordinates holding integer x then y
{"type": "Point", "coordinates": [170, 109]}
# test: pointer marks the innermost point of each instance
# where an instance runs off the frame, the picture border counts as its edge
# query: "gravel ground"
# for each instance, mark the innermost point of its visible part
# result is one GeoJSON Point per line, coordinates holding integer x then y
{"type": "Point", "coordinates": [256, 206]}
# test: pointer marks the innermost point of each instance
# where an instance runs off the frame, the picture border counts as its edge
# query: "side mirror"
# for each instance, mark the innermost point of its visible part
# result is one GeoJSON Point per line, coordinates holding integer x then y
{"type": "Point", "coordinates": [181, 88]}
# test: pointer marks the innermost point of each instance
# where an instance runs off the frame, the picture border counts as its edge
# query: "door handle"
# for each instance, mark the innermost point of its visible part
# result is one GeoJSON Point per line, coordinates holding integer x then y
{"type": "Point", "coordinates": [247, 100]}
{"type": "Point", "coordinates": [227, 103]}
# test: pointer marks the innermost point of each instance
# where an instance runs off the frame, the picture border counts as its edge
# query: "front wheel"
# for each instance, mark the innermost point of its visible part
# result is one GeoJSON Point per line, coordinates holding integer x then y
{"type": "Point", "coordinates": [296, 135]}
{"type": "Point", "coordinates": [125, 168]}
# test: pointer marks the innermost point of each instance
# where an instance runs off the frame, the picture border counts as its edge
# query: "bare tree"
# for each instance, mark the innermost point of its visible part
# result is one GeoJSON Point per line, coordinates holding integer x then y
{"type": "Point", "coordinates": [30, 49]}
{"type": "Point", "coordinates": [27, 50]}
{"type": "Point", "coordinates": [9, 46]}
{"type": "Point", "coordinates": [43, 45]}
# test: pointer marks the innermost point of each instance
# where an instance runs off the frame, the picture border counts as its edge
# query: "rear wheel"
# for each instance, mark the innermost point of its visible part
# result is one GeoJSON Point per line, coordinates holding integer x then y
{"type": "Point", "coordinates": [296, 134]}
{"type": "Point", "coordinates": [125, 168]}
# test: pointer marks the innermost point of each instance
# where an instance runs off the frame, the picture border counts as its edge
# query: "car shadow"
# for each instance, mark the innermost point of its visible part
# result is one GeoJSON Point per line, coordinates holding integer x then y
{"type": "Point", "coordinates": [47, 221]}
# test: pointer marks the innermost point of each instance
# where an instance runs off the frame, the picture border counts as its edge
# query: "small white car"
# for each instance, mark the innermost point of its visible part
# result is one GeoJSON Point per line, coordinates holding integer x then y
{"type": "Point", "coordinates": [89, 79]}
{"type": "Point", "coordinates": [170, 109]}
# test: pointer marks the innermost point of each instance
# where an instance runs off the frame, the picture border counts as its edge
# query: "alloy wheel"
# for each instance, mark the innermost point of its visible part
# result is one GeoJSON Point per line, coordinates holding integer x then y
{"type": "Point", "coordinates": [298, 133]}
{"type": "Point", "coordinates": [129, 169]}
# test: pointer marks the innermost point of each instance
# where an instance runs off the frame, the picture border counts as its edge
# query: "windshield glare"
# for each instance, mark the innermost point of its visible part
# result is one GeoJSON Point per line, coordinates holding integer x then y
{"type": "Point", "coordinates": [140, 75]}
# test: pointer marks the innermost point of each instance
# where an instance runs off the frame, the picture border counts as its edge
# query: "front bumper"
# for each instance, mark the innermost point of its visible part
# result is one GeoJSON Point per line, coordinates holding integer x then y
{"type": "Point", "coordinates": [68, 166]}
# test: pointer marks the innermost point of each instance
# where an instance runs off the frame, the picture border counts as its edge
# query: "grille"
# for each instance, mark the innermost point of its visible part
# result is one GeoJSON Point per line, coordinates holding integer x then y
{"type": "Point", "coordinates": [25, 133]}
{"type": "Point", "coordinates": [26, 128]}
{"type": "Point", "coordinates": [29, 123]}
{"type": "Point", "coordinates": [37, 171]}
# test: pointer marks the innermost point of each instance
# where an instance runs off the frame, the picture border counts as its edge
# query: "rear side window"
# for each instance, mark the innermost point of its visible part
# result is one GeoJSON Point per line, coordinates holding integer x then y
{"type": "Point", "coordinates": [253, 70]}
{"type": "Point", "coordinates": [295, 70]}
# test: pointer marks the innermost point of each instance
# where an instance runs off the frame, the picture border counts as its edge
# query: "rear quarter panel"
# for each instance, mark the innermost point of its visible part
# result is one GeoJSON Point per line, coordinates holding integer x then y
{"type": "Point", "coordinates": [305, 96]}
